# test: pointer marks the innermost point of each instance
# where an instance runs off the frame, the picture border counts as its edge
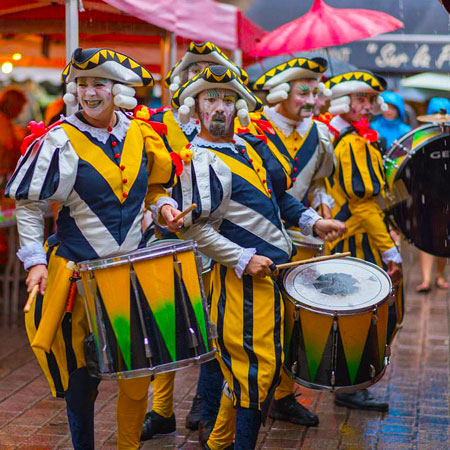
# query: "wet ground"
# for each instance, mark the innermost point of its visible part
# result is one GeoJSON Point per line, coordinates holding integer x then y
{"type": "Point", "coordinates": [416, 385]}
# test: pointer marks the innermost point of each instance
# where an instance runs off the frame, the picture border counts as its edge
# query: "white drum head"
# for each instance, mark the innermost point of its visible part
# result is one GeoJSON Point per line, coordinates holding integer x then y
{"type": "Point", "coordinates": [345, 284]}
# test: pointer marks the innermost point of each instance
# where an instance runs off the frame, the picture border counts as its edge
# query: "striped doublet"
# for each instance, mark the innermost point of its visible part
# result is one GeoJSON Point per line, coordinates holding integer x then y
{"type": "Point", "coordinates": [101, 185]}
{"type": "Point", "coordinates": [239, 191]}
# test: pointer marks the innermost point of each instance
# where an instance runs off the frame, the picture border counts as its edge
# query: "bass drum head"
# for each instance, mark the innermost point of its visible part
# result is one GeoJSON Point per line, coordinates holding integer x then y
{"type": "Point", "coordinates": [344, 285]}
{"type": "Point", "coordinates": [424, 217]}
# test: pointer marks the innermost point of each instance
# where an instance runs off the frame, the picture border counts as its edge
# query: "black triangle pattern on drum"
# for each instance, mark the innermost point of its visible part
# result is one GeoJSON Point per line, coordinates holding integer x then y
{"type": "Point", "coordinates": [188, 345]}
{"type": "Point", "coordinates": [370, 357]}
{"type": "Point", "coordinates": [159, 350]}
{"type": "Point", "coordinates": [342, 375]}
{"type": "Point", "coordinates": [113, 346]}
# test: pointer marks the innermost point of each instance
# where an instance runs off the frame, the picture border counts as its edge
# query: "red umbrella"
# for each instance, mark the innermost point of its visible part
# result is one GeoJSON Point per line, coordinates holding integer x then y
{"type": "Point", "coordinates": [324, 26]}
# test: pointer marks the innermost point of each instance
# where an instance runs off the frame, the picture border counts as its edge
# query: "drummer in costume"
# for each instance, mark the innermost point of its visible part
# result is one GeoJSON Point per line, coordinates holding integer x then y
{"type": "Point", "coordinates": [161, 419]}
{"type": "Point", "coordinates": [98, 164]}
{"type": "Point", "coordinates": [357, 181]}
{"type": "Point", "coordinates": [305, 145]}
{"type": "Point", "coordinates": [238, 224]}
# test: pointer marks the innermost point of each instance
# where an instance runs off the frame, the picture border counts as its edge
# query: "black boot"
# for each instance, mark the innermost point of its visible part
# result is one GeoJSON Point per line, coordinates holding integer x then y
{"type": "Point", "coordinates": [360, 400]}
{"type": "Point", "coordinates": [195, 413]}
{"type": "Point", "coordinates": [230, 447]}
{"type": "Point", "coordinates": [204, 430]}
{"type": "Point", "coordinates": [289, 410]}
{"type": "Point", "coordinates": [156, 424]}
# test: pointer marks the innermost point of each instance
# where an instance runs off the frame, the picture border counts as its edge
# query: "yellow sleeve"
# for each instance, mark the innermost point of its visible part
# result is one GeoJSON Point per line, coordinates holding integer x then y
{"type": "Point", "coordinates": [161, 171]}
{"type": "Point", "coordinates": [359, 174]}
{"type": "Point", "coordinates": [371, 218]}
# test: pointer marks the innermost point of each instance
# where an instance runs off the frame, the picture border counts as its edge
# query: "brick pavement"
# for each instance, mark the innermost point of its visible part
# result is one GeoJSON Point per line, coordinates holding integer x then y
{"type": "Point", "coordinates": [416, 385]}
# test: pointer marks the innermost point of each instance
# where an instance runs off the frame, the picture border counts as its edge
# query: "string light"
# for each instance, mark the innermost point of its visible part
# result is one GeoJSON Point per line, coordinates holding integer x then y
{"type": "Point", "coordinates": [7, 67]}
{"type": "Point", "coordinates": [17, 56]}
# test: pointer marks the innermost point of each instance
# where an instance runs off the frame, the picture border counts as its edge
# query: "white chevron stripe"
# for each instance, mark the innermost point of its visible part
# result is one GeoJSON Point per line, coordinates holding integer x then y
{"type": "Point", "coordinates": [97, 234]}
{"type": "Point", "coordinates": [258, 225]}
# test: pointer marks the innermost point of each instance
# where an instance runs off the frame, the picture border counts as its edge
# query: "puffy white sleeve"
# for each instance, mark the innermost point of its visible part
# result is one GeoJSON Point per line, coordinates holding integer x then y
{"type": "Point", "coordinates": [46, 173]}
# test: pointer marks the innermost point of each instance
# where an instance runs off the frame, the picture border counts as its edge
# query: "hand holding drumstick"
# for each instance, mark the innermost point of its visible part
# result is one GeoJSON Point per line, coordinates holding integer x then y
{"type": "Point", "coordinates": [175, 218]}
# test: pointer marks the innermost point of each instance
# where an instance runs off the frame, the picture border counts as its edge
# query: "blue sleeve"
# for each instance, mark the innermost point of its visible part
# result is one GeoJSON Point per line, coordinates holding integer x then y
{"type": "Point", "coordinates": [291, 209]}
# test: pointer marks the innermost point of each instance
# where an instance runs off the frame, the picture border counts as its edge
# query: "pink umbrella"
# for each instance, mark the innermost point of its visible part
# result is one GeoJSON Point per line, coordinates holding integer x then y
{"type": "Point", "coordinates": [324, 26]}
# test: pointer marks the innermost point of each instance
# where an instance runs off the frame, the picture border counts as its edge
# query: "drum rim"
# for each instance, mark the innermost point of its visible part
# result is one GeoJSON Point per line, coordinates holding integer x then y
{"type": "Point", "coordinates": [408, 135]}
{"type": "Point", "coordinates": [162, 368]}
{"type": "Point", "coordinates": [292, 234]}
{"type": "Point", "coordinates": [137, 255]}
{"type": "Point", "coordinates": [337, 313]}
{"type": "Point", "coordinates": [337, 389]}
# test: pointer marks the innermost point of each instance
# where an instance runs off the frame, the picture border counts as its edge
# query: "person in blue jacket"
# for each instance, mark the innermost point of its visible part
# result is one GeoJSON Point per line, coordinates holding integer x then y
{"type": "Point", "coordinates": [391, 123]}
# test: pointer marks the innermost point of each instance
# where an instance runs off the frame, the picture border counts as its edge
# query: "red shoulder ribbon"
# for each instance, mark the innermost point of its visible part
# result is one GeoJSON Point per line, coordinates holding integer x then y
{"type": "Point", "coordinates": [325, 119]}
{"type": "Point", "coordinates": [264, 125]}
{"type": "Point", "coordinates": [37, 129]}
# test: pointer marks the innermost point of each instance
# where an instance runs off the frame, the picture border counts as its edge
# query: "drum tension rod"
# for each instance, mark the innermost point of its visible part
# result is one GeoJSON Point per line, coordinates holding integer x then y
{"type": "Point", "coordinates": [148, 351]}
{"type": "Point", "coordinates": [192, 336]}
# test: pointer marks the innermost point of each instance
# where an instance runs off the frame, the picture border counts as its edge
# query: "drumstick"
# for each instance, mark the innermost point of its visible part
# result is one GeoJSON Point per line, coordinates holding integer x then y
{"type": "Point", "coordinates": [185, 212]}
{"type": "Point", "coordinates": [31, 297]}
{"type": "Point", "coordinates": [311, 260]}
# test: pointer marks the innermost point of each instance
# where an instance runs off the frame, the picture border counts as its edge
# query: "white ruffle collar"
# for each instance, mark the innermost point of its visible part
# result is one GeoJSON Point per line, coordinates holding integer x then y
{"type": "Point", "coordinates": [287, 126]}
{"type": "Point", "coordinates": [200, 142]}
{"type": "Point", "coordinates": [187, 128]}
{"type": "Point", "coordinates": [102, 134]}
{"type": "Point", "coordinates": [339, 123]}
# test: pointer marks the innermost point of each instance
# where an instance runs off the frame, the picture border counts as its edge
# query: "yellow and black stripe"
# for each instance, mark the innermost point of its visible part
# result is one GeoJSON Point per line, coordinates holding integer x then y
{"type": "Point", "coordinates": [250, 355]}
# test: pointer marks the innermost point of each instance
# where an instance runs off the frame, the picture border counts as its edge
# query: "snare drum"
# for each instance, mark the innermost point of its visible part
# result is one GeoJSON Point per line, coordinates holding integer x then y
{"type": "Point", "coordinates": [306, 246]}
{"type": "Point", "coordinates": [418, 177]}
{"type": "Point", "coordinates": [336, 321]}
{"type": "Point", "coordinates": [147, 310]}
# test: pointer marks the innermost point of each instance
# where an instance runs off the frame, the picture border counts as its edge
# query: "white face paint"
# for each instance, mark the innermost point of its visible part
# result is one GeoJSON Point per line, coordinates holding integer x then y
{"type": "Point", "coordinates": [95, 97]}
{"type": "Point", "coordinates": [217, 110]}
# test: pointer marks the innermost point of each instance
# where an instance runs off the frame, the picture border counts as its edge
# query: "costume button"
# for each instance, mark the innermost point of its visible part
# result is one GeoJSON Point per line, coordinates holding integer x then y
{"type": "Point", "coordinates": [250, 160]}
{"type": "Point", "coordinates": [295, 159]}
{"type": "Point", "coordinates": [114, 144]}
{"type": "Point", "coordinates": [258, 169]}
{"type": "Point", "coordinates": [122, 167]}
{"type": "Point", "coordinates": [264, 181]}
{"type": "Point", "coordinates": [109, 129]}
{"type": "Point", "coordinates": [233, 141]}
{"type": "Point", "coordinates": [197, 121]}
{"type": "Point", "coordinates": [117, 155]}
{"type": "Point", "coordinates": [124, 181]}
{"type": "Point", "coordinates": [295, 169]}
{"type": "Point", "coordinates": [269, 191]}
{"type": "Point", "coordinates": [125, 195]}
{"type": "Point", "coordinates": [294, 179]}
{"type": "Point", "coordinates": [242, 151]}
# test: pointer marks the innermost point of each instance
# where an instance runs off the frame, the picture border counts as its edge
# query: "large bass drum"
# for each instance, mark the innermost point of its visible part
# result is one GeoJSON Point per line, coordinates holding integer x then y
{"type": "Point", "coordinates": [418, 177]}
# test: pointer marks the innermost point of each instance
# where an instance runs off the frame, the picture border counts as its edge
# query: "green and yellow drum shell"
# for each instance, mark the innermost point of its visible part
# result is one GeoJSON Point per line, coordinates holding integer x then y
{"type": "Point", "coordinates": [147, 310]}
{"type": "Point", "coordinates": [336, 317]}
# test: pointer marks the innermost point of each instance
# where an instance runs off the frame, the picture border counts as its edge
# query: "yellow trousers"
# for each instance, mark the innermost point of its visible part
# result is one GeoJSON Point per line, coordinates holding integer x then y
{"type": "Point", "coordinates": [66, 353]}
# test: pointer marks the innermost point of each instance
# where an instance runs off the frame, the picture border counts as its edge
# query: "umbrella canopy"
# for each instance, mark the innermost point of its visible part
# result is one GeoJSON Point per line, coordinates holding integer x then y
{"type": "Point", "coordinates": [428, 80]}
{"type": "Point", "coordinates": [325, 26]}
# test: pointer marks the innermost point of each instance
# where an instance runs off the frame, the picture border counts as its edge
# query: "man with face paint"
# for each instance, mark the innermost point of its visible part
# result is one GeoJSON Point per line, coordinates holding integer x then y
{"type": "Point", "coordinates": [161, 419]}
{"type": "Point", "coordinates": [293, 88]}
{"type": "Point", "coordinates": [357, 181]}
{"type": "Point", "coordinates": [238, 224]}
{"type": "Point", "coordinates": [304, 147]}
{"type": "Point", "coordinates": [101, 167]}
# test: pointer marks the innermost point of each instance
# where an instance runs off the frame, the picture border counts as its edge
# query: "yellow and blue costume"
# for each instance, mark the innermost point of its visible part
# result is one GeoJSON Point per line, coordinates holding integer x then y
{"type": "Point", "coordinates": [242, 202]}
{"type": "Point", "coordinates": [101, 178]}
